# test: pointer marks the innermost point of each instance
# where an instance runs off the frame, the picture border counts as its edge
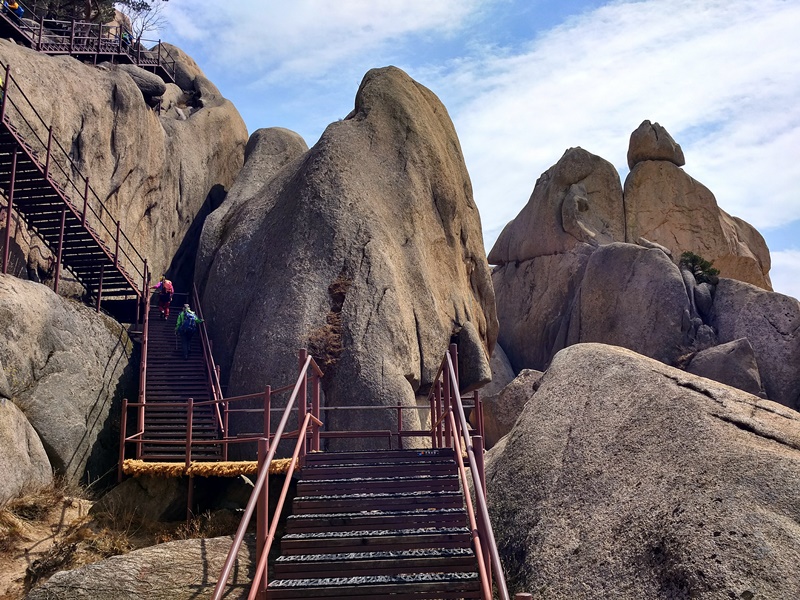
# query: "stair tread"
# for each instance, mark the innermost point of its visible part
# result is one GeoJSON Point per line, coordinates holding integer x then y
{"type": "Point", "coordinates": [363, 580]}
{"type": "Point", "coordinates": [378, 513]}
{"type": "Point", "coordinates": [377, 555]}
{"type": "Point", "coordinates": [411, 494]}
{"type": "Point", "coordinates": [415, 531]}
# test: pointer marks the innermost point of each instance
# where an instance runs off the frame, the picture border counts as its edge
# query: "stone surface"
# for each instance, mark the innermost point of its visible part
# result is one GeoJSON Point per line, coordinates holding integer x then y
{"type": "Point", "coordinates": [66, 368]}
{"type": "Point", "coordinates": [577, 201]}
{"type": "Point", "coordinates": [666, 206]}
{"type": "Point", "coordinates": [156, 174]}
{"type": "Point", "coordinates": [372, 243]}
{"type": "Point", "coordinates": [149, 83]}
{"type": "Point", "coordinates": [181, 570]}
{"type": "Point", "coordinates": [732, 363]}
{"type": "Point", "coordinates": [144, 500]}
{"type": "Point", "coordinates": [635, 298]}
{"type": "Point", "coordinates": [624, 478]}
{"type": "Point", "coordinates": [771, 323]}
{"type": "Point", "coordinates": [502, 373]}
{"type": "Point", "coordinates": [23, 461]}
{"type": "Point", "coordinates": [650, 141]}
{"type": "Point", "coordinates": [500, 411]}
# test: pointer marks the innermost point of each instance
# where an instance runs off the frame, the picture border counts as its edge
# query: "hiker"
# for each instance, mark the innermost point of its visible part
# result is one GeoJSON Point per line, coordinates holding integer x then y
{"type": "Point", "coordinates": [14, 8]}
{"type": "Point", "coordinates": [185, 327]}
{"type": "Point", "coordinates": [126, 39]}
{"type": "Point", "coordinates": [165, 291]}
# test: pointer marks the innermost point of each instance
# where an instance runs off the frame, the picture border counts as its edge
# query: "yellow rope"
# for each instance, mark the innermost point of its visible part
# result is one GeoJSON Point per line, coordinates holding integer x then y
{"type": "Point", "coordinates": [137, 468]}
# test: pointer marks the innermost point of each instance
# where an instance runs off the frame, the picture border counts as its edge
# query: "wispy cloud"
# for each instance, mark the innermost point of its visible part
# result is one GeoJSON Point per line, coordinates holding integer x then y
{"type": "Point", "coordinates": [786, 272]}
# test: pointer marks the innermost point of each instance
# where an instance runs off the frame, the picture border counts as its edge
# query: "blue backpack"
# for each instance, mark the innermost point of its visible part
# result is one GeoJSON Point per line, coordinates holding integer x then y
{"type": "Point", "coordinates": [189, 323]}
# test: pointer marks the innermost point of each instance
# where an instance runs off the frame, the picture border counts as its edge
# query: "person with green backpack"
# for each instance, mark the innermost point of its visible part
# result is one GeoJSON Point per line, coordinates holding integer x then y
{"type": "Point", "coordinates": [185, 327]}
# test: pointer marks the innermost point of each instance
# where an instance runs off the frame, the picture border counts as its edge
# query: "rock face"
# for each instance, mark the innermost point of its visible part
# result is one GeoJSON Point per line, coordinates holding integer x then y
{"type": "Point", "coordinates": [651, 141]}
{"type": "Point", "coordinates": [501, 410]}
{"type": "Point", "coordinates": [371, 242]}
{"type": "Point", "coordinates": [733, 364]}
{"type": "Point", "coordinates": [771, 323]}
{"type": "Point", "coordinates": [65, 368]}
{"type": "Point", "coordinates": [156, 174]}
{"type": "Point", "coordinates": [625, 478]}
{"type": "Point", "coordinates": [182, 570]}
{"type": "Point", "coordinates": [23, 461]}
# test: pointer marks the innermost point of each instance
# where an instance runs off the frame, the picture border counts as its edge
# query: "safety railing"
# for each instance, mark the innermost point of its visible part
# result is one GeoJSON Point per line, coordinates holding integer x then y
{"type": "Point", "coordinates": [22, 119]}
{"type": "Point", "coordinates": [212, 369]}
{"type": "Point", "coordinates": [75, 37]}
{"type": "Point", "coordinates": [449, 429]}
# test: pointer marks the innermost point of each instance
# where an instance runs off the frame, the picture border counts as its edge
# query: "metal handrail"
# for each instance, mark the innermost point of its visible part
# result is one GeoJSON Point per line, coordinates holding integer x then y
{"type": "Point", "coordinates": [477, 479]}
{"type": "Point", "coordinates": [143, 365]}
{"type": "Point", "coordinates": [94, 214]}
{"type": "Point", "coordinates": [262, 477]}
{"type": "Point", "coordinates": [211, 368]}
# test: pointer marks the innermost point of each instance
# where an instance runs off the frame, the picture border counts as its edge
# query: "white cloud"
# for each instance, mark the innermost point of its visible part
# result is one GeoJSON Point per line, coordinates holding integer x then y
{"type": "Point", "coordinates": [725, 74]}
{"type": "Point", "coordinates": [785, 272]}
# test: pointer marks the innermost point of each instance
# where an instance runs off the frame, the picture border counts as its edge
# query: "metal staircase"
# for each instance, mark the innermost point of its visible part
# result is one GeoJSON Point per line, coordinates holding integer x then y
{"type": "Point", "coordinates": [93, 42]}
{"type": "Point", "coordinates": [375, 524]}
{"type": "Point", "coordinates": [39, 181]}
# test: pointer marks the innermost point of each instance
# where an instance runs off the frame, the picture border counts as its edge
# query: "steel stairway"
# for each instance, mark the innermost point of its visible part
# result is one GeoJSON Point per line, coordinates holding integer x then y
{"type": "Point", "coordinates": [372, 524]}
{"type": "Point", "coordinates": [170, 382]}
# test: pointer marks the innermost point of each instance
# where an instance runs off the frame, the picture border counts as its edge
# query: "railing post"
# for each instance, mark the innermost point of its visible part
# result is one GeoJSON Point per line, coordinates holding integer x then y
{"type": "Point", "coordinates": [85, 202]}
{"type": "Point", "coordinates": [302, 401]}
{"type": "Point", "coordinates": [60, 248]}
{"type": "Point", "coordinates": [267, 410]}
{"type": "Point", "coordinates": [10, 206]}
{"type": "Point", "coordinates": [262, 516]}
{"type": "Point", "coordinates": [432, 398]}
{"type": "Point", "coordinates": [476, 396]}
{"type": "Point", "coordinates": [189, 419]}
{"type": "Point", "coordinates": [315, 399]}
{"type": "Point", "coordinates": [225, 415]}
{"type": "Point", "coordinates": [99, 42]}
{"type": "Point", "coordinates": [6, 86]}
{"type": "Point", "coordinates": [100, 289]}
{"type": "Point", "coordinates": [399, 428]}
{"type": "Point", "coordinates": [49, 146]}
{"type": "Point", "coordinates": [41, 29]}
{"type": "Point", "coordinates": [123, 426]}
{"type": "Point", "coordinates": [439, 412]}
{"type": "Point", "coordinates": [72, 38]}
{"type": "Point", "coordinates": [116, 247]}
{"type": "Point", "coordinates": [446, 409]}
{"type": "Point", "coordinates": [159, 53]}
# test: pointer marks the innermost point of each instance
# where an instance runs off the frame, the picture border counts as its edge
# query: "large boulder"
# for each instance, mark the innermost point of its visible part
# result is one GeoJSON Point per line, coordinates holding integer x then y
{"type": "Point", "coordinates": [181, 570]}
{"type": "Point", "coordinates": [368, 250]}
{"type": "Point", "coordinates": [23, 461]}
{"type": "Point", "coordinates": [156, 173]}
{"type": "Point", "coordinates": [501, 410]}
{"type": "Point", "coordinates": [650, 141]}
{"type": "Point", "coordinates": [771, 323]}
{"type": "Point", "coordinates": [625, 478]}
{"type": "Point", "coordinates": [733, 363]}
{"type": "Point", "coordinates": [66, 368]}
{"type": "Point", "coordinates": [665, 205]}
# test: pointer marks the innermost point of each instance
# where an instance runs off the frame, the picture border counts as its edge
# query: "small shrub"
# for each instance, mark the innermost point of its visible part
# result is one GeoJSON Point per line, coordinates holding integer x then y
{"type": "Point", "coordinates": [701, 268]}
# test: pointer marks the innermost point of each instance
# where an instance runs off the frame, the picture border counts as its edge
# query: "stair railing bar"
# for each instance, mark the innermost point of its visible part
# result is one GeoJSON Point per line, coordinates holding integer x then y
{"type": "Point", "coordinates": [480, 555]}
{"type": "Point", "coordinates": [477, 479]}
{"type": "Point", "coordinates": [143, 367]}
{"type": "Point", "coordinates": [211, 368]}
{"type": "Point", "coordinates": [189, 417]}
{"type": "Point", "coordinates": [260, 482]}
{"type": "Point", "coordinates": [9, 209]}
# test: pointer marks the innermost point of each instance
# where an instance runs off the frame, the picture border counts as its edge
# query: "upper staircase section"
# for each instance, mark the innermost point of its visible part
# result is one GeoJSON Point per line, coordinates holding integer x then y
{"type": "Point", "coordinates": [87, 41]}
{"type": "Point", "coordinates": [39, 180]}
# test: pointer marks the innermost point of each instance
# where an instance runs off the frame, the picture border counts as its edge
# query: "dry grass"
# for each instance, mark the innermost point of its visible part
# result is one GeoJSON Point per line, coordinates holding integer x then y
{"type": "Point", "coordinates": [137, 468]}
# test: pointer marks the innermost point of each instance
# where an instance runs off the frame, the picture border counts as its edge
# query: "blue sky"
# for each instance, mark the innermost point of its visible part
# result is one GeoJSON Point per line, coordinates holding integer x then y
{"type": "Point", "coordinates": [523, 80]}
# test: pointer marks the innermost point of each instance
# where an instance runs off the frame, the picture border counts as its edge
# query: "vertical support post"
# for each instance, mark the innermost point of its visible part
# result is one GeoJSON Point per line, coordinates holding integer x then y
{"type": "Point", "coordinates": [60, 248]}
{"type": "Point", "coordinates": [6, 85]}
{"type": "Point", "coordinates": [315, 400]}
{"type": "Point", "coordinates": [189, 420]}
{"type": "Point", "coordinates": [10, 207]}
{"type": "Point", "coordinates": [225, 419]}
{"type": "Point", "coordinates": [159, 53]}
{"type": "Point", "coordinates": [41, 29]}
{"type": "Point", "coordinates": [100, 289]}
{"type": "Point", "coordinates": [267, 410]}
{"type": "Point", "coordinates": [446, 409]}
{"type": "Point", "coordinates": [116, 247]}
{"type": "Point", "coordinates": [140, 307]}
{"type": "Point", "coordinates": [479, 416]}
{"type": "Point", "coordinates": [399, 428]}
{"type": "Point", "coordinates": [123, 426]}
{"type": "Point", "coordinates": [99, 42]}
{"type": "Point", "coordinates": [438, 415]}
{"type": "Point", "coordinates": [190, 499]}
{"type": "Point", "coordinates": [262, 516]}
{"type": "Point", "coordinates": [72, 38]}
{"type": "Point", "coordinates": [49, 146]}
{"type": "Point", "coordinates": [85, 202]}
{"type": "Point", "coordinates": [433, 416]}
{"type": "Point", "coordinates": [302, 403]}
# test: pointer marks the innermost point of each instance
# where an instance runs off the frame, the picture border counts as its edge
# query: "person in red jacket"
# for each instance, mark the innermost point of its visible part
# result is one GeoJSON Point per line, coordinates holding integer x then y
{"type": "Point", "coordinates": [165, 291]}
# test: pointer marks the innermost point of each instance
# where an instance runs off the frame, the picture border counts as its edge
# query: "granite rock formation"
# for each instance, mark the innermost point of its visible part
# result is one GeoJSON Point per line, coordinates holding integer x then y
{"type": "Point", "coordinates": [625, 478]}
{"type": "Point", "coordinates": [369, 242]}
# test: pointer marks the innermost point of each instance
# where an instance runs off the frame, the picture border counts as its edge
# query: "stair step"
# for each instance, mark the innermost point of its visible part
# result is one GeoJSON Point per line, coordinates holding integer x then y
{"type": "Point", "coordinates": [378, 539]}
{"type": "Point", "coordinates": [385, 484]}
{"type": "Point", "coordinates": [375, 519]}
{"type": "Point", "coordinates": [377, 587]}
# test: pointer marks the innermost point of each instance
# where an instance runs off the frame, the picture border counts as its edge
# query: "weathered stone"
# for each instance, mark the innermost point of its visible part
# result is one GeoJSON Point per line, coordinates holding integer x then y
{"type": "Point", "coordinates": [144, 500]}
{"type": "Point", "coordinates": [771, 322]}
{"type": "Point", "coordinates": [534, 302]}
{"type": "Point", "coordinates": [181, 570]}
{"type": "Point", "coordinates": [648, 244]}
{"type": "Point", "coordinates": [23, 461]}
{"type": "Point", "coordinates": [624, 478]}
{"type": "Point", "coordinates": [666, 206]}
{"type": "Point", "coordinates": [577, 201]}
{"type": "Point", "coordinates": [502, 410]}
{"type": "Point", "coordinates": [66, 369]}
{"type": "Point", "coordinates": [733, 363]}
{"type": "Point", "coordinates": [704, 299]}
{"type": "Point", "coordinates": [620, 280]}
{"type": "Point", "coordinates": [502, 373]}
{"type": "Point", "coordinates": [371, 243]}
{"type": "Point", "coordinates": [149, 83]}
{"type": "Point", "coordinates": [650, 141]}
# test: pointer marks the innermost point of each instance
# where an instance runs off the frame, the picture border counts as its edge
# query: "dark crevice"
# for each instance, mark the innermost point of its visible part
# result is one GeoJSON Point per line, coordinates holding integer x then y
{"type": "Point", "coordinates": [748, 427]}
